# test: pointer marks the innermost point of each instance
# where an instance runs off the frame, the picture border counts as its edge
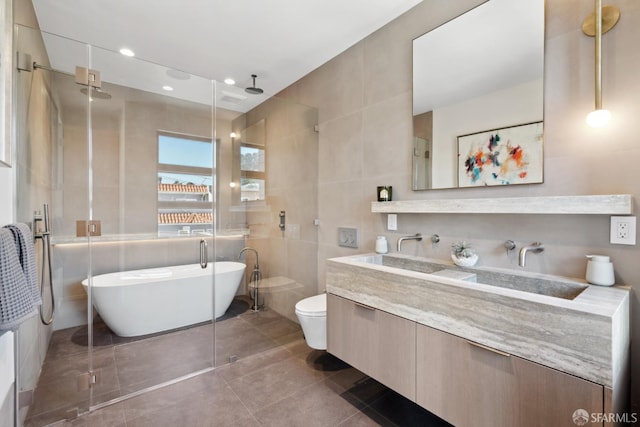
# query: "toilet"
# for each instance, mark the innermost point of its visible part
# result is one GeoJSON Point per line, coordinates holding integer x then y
{"type": "Point", "coordinates": [312, 314]}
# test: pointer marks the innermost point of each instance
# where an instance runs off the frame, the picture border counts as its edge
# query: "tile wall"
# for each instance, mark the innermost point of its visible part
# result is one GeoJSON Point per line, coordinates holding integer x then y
{"type": "Point", "coordinates": [364, 100]}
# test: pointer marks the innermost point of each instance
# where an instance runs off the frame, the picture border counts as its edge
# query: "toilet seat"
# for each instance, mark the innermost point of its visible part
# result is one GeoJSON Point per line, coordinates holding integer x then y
{"type": "Point", "coordinates": [315, 306]}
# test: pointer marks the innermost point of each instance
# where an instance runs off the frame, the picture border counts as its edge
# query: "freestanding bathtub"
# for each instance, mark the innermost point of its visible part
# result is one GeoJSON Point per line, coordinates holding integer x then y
{"type": "Point", "coordinates": [141, 302]}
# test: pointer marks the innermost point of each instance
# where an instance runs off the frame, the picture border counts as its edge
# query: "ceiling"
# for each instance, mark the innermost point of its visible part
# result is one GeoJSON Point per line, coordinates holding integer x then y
{"type": "Point", "coordinates": [279, 40]}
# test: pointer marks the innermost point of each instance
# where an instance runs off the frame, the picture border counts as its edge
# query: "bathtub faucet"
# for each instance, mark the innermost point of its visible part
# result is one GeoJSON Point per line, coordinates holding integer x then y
{"type": "Point", "coordinates": [255, 278]}
{"type": "Point", "coordinates": [257, 266]}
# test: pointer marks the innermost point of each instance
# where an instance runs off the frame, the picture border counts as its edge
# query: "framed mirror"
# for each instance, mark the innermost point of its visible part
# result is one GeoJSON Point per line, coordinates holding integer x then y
{"type": "Point", "coordinates": [478, 98]}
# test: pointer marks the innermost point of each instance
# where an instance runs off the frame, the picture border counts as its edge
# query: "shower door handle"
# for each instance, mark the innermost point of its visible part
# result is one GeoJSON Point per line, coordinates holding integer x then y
{"type": "Point", "coordinates": [204, 255]}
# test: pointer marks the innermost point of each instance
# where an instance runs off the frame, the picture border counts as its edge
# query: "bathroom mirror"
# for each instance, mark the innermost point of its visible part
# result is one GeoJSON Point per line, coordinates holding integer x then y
{"type": "Point", "coordinates": [479, 77]}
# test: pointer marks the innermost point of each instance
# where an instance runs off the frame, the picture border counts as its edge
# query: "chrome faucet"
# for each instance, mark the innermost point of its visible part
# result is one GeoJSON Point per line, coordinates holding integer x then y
{"type": "Point", "coordinates": [417, 237]}
{"type": "Point", "coordinates": [257, 266]}
{"type": "Point", "coordinates": [256, 277]}
{"type": "Point", "coordinates": [536, 247]}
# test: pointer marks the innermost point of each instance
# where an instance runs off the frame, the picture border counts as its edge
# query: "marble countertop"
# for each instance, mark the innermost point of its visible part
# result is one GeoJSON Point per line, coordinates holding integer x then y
{"type": "Point", "coordinates": [587, 336]}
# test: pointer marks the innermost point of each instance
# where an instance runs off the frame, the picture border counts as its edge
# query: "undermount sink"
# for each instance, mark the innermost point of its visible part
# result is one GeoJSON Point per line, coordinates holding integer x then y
{"type": "Point", "coordinates": [525, 282]}
{"type": "Point", "coordinates": [532, 283]}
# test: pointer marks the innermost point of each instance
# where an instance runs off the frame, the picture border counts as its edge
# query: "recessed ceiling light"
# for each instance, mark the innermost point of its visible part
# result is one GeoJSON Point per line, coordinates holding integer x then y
{"type": "Point", "coordinates": [229, 81]}
{"type": "Point", "coordinates": [167, 88]}
{"type": "Point", "coordinates": [127, 52]}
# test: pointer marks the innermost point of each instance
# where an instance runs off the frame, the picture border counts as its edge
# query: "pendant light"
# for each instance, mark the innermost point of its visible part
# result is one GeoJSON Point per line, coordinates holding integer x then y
{"type": "Point", "coordinates": [595, 25]}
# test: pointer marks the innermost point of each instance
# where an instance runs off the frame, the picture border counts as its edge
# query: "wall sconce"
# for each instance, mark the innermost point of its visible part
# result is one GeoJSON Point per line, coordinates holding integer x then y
{"type": "Point", "coordinates": [232, 135]}
{"type": "Point", "coordinates": [595, 25]}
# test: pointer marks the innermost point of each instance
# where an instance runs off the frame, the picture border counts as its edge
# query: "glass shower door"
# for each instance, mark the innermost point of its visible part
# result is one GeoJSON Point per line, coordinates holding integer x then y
{"type": "Point", "coordinates": [128, 168]}
{"type": "Point", "coordinates": [150, 226]}
{"type": "Point", "coordinates": [49, 172]}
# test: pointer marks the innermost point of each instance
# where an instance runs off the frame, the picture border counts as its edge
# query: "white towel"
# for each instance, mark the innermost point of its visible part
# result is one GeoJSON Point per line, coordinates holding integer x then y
{"type": "Point", "coordinates": [16, 299]}
{"type": "Point", "coordinates": [27, 256]}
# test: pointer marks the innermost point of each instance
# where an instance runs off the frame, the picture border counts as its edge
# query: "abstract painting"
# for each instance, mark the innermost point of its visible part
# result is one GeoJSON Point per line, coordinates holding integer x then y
{"type": "Point", "coordinates": [506, 156]}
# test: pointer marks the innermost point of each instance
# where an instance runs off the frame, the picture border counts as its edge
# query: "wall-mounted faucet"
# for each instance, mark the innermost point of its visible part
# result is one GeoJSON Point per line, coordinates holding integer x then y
{"type": "Point", "coordinates": [417, 237]}
{"type": "Point", "coordinates": [536, 247]}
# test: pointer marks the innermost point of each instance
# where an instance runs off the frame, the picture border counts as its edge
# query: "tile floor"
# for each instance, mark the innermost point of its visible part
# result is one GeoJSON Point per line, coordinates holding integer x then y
{"type": "Point", "coordinates": [277, 380]}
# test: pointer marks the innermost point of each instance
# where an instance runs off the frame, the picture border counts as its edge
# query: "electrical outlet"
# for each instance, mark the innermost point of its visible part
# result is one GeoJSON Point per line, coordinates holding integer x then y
{"type": "Point", "coordinates": [623, 230]}
{"type": "Point", "coordinates": [348, 237]}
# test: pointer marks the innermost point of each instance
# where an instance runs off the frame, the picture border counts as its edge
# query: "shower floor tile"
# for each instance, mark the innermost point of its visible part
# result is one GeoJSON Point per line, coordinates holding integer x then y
{"type": "Point", "coordinates": [277, 380]}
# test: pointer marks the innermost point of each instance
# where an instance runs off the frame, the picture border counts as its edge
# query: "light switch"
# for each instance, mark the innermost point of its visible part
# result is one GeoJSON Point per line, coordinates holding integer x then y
{"type": "Point", "coordinates": [392, 222]}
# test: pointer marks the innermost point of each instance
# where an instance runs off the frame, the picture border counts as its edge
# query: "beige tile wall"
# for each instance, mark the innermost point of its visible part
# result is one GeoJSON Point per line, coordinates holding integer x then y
{"type": "Point", "coordinates": [364, 102]}
{"type": "Point", "coordinates": [35, 115]}
{"type": "Point", "coordinates": [292, 176]}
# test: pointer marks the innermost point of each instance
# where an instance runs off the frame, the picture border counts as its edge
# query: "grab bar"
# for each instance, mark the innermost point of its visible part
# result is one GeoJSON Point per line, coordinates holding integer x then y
{"type": "Point", "coordinates": [203, 253]}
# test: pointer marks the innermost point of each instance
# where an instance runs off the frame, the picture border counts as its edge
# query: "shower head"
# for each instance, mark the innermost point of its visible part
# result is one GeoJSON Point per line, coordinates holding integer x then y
{"type": "Point", "coordinates": [253, 90]}
{"type": "Point", "coordinates": [96, 93]}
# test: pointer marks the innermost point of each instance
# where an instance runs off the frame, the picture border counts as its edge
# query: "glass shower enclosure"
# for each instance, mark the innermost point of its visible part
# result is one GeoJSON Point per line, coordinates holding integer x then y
{"type": "Point", "coordinates": [124, 152]}
{"type": "Point", "coordinates": [156, 184]}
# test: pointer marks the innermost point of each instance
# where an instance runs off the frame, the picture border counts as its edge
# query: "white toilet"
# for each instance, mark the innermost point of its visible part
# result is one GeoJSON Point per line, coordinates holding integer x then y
{"type": "Point", "coordinates": [312, 314]}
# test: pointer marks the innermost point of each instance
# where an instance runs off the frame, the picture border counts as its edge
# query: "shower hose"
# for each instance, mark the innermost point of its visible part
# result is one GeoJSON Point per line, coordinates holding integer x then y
{"type": "Point", "coordinates": [46, 256]}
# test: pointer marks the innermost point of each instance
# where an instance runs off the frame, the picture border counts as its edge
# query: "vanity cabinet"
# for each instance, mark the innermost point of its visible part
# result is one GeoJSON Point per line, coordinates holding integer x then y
{"type": "Point", "coordinates": [464, 383]}
{"type": "Point", "coordinates": [377, 343]}
{"type": "Point", "coordinates": [471, 385]}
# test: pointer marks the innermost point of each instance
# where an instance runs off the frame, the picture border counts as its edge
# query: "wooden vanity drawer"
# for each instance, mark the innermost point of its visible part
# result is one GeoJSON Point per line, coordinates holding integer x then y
{"type": "Point", "coordinates": [377, 343]}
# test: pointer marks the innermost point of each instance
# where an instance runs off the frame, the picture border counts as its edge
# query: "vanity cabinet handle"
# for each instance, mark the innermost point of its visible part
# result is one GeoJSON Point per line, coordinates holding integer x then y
{"type": "Point", "coordinates": [366, 307]}
{"type": "Point", "coordinates": [493, 350]}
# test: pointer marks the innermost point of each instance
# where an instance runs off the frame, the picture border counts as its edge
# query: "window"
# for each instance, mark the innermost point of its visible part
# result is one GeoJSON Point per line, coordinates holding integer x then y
{"type": "Point", "coordinates": [252, 166]}
{"type": "Point", "coordinates": [185, 184]}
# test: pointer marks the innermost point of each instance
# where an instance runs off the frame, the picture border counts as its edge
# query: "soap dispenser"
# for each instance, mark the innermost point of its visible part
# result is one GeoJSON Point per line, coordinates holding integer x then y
{"type": "Point", "coordinates": [382, 246]}
{"type": "Point", "coordinates": [599, 270]}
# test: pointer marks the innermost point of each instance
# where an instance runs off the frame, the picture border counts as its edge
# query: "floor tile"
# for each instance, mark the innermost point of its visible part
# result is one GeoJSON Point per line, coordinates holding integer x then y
{"type": "Point", "coordinates": [64, 394]}
{"type": "Point", "coordinates": [74, 341]}
{"type": "Point", "coordinates": [320, 404]}
{"type": "Point", "coordinates": [213, 404]}
{"type": "Point", "coordinates": [273, 383]}
{"type": "Point", "coordinates": [249, 365]}
{"type": "Point", "coordinates": [277, 379]}
{"type": "Point", "coordinates": [150, 362]}
{"type": "Point", "coordinates": [111, 416]}
{"type": "Point", "coordinates": [366, 418]}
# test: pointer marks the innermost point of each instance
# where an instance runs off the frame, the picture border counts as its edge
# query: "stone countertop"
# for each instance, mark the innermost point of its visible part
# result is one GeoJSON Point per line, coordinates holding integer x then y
{"type": "Point", "coordinates": [587, 336]}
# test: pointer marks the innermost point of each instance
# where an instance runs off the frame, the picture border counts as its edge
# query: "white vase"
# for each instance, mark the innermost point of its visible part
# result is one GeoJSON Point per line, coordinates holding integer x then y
{"type": "Point", "coordinates": [465, 262]}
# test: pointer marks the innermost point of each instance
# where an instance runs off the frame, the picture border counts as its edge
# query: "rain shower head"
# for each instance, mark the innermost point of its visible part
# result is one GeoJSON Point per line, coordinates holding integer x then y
{"type": "Point", "coordinates": [253, 90]}
{"type": "Point", "coordinates": [96, 93]}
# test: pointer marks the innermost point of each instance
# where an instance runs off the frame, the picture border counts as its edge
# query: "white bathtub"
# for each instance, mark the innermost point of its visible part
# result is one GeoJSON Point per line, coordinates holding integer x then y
{"type": "Point", "coordinates": [141, 302]}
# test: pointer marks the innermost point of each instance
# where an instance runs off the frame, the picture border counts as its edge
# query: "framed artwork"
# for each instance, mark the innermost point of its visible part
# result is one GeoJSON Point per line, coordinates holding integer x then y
{"type": "Point", "coordinates": [506, 156]}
